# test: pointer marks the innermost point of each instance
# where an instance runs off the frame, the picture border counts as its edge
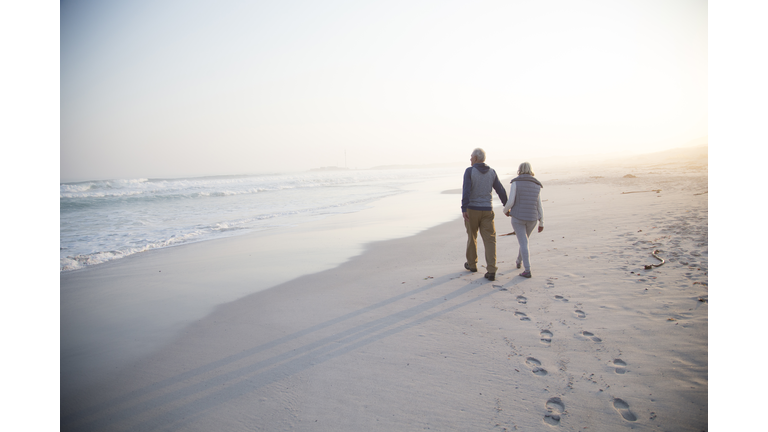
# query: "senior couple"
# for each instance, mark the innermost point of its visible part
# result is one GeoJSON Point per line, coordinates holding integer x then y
{"type": "Point", "coordinates": [523, 206]}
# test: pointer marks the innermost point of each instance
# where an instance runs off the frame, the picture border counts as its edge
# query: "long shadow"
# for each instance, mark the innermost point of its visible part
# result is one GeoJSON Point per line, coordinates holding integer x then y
{"type": "Point", "coordinates": [252, 377]}
{"type": "Point", "coordinates": [194, 410]}
{"type": "Point", "coordinates": [103, 409]}
{"type": "Point", "coordinates": [334, 348]}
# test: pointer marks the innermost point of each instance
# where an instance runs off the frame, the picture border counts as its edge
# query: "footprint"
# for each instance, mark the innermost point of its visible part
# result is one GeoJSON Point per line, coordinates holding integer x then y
{"type": "Point", "coordinates": [623, 409]}
{"type": "Point", "coordinates": [555, 408]}
{"type": "Point", "coordinates": [620, 366]}
{"type": "Point", "coordinates": [591, 336]}
{"type": "Point", "coordinates": [523, 316]}
{"type": "Point", "coordinates": [535, 366]}
{"type": "Point", "coordinates": [579, 313]}
{"type": "Point", "coordinates": [531, 361]}
{"type": "Point", "coordinates": [522, 300]}
{"type": "Point", "coordinates": [546, 337]}
{"type": "Point", "coordinates": [559, 297]}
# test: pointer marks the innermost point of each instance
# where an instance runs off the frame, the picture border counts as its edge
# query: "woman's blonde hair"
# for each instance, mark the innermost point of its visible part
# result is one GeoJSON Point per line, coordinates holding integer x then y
{"type": "Point", "coordinates": [525, 168]}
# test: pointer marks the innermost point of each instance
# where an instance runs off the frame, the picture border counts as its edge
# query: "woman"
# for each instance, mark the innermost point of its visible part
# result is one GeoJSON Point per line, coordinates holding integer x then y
{"type": "Point", "coordinates": [524, 206]}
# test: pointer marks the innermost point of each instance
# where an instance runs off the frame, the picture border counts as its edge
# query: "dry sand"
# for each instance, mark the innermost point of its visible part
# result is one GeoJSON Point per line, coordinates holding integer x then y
{"type": "Point", "coordinates": [400, 337]}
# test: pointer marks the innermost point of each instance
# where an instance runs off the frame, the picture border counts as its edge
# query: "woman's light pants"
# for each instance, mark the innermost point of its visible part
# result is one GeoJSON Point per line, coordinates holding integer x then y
{"type": "Point", "coordinates": [523, 230]}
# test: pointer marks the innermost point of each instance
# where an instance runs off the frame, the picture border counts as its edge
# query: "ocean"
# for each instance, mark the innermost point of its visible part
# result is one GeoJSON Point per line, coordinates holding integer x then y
{"type": "Point", "coordinates": [106, 220]}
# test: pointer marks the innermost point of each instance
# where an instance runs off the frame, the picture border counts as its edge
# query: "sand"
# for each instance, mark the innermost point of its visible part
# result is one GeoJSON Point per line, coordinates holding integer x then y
{"type": "Point", "coordinates": [401, 337]}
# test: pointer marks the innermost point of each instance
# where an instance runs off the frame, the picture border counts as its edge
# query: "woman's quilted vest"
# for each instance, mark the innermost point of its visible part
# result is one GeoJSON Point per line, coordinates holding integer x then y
{"type": "Point", "coordinates": [526, 206]}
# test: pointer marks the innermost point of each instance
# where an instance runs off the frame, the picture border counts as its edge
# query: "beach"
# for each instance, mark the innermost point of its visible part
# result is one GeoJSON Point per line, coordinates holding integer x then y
{"type": "Point", "coordinates": [396, 335]}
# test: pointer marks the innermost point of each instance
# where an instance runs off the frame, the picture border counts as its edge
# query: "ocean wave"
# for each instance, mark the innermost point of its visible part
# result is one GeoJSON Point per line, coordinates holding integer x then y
{"type": "Point", "coordinates": [228, 185]}
{"type": "Point", "coordinates": [142, 240]}
{"type": "Point", "coordinates": [83, 260]}
{"type": "Point", "coordinates": [158, 213]}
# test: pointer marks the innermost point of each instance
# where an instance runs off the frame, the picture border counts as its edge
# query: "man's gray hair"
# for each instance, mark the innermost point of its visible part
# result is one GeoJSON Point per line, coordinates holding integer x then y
{"type": "Point", "coordinates": [479, 154]}
{"type": "Point", "coordinates": [525, 168]}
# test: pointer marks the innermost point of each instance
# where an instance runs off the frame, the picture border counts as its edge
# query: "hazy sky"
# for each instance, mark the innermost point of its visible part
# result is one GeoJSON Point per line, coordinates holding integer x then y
{"type": "Point", "coordinates": [174, 88]}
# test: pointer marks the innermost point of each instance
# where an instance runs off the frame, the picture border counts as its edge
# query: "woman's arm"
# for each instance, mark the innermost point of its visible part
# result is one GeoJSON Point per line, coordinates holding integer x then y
{"type": "Point", "coordinates": [510, 199]}
{"type": "Point", "coordinates": [541, 215]}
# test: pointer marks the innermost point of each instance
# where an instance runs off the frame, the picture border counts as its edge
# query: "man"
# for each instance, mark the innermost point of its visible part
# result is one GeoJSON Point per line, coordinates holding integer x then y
{"type": "Point", "coordinates": [477, 209]}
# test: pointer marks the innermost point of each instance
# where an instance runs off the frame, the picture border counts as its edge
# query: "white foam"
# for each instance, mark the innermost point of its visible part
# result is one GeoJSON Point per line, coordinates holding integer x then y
{"type": "Point", "coordinates": [106, 220]}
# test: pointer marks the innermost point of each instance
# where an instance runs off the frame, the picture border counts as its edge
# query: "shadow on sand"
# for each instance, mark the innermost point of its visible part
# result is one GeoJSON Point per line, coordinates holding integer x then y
{"type": "Point", "coordinates": [156, 407]}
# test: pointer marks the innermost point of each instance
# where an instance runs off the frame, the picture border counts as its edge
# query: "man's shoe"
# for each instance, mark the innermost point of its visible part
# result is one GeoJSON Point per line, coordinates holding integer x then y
{"type": "Point", "coordinates": [466, 266]}
{"type": "Point", "coordinates": [490, 276]}
{"type": "Point", "coordinates": [526, 274]}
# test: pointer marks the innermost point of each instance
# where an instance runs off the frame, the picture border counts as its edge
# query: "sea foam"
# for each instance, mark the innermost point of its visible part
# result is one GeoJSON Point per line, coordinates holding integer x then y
{"type": "Point", "coordinates": [106, 220]}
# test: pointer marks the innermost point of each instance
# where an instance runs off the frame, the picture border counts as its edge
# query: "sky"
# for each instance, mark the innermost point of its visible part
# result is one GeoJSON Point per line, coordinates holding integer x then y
{"type": "Point", "coordinates": [179, 88]}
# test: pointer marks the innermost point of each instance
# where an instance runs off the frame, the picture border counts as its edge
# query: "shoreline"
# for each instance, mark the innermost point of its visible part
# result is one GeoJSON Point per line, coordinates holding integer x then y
{"type": "Point", "coordinates": [94, 232]}
{"type": "Point", "coordinates": [140, 302]}
{"type": "Point", "coordinates": [308, 349]}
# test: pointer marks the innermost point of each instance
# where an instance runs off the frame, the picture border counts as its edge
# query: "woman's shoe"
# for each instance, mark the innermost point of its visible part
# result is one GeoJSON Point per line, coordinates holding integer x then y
{"type": "Point", "coordinates": [526, 274]}
{"type": "Point", "coordinates": [519, 264]}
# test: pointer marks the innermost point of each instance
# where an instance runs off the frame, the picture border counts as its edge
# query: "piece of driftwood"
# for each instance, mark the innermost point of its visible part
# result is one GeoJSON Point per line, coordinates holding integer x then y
{"type": "Point", "coordinates": [650, 266]}
{"type": "Point", "coordinates": [653, 190]}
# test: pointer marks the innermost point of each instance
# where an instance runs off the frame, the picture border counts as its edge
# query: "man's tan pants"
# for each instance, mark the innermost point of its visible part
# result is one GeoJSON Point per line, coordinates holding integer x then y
{"type": "Point", "coordinates": [482, 220]}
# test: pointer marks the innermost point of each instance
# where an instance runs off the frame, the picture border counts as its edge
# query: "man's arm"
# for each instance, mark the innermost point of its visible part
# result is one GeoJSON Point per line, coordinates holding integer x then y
{"type": "Point", "coordinates": [465, 191]}
{"type": "Point", "coordinates": [499, 188]}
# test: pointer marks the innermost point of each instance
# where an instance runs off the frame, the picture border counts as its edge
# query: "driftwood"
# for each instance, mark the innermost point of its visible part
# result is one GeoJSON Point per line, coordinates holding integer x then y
{"type": "Point", "coordinates": [650, 266]}
{"type": "Point", "coordinates": [654, 190]}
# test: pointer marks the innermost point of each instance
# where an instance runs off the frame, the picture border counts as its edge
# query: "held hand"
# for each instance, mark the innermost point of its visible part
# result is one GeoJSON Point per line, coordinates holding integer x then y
{"type": "Point", "coordinates": [508, 213]}
{"type": "Point", "coordinates": [541, 228]}
{"type": "Point", "coordinates": [466, 217]}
